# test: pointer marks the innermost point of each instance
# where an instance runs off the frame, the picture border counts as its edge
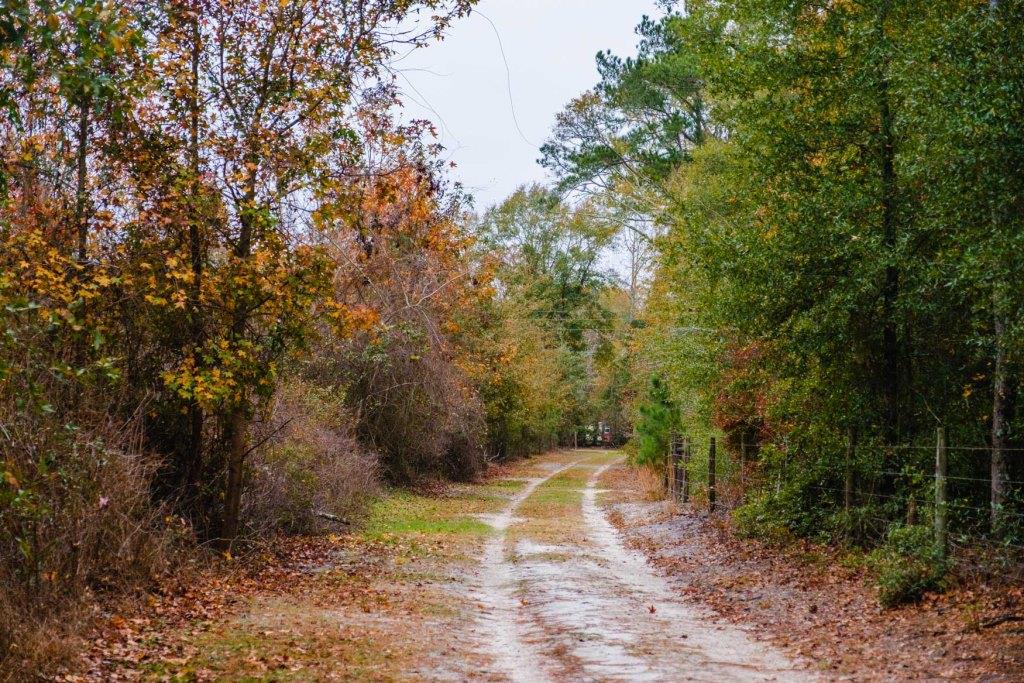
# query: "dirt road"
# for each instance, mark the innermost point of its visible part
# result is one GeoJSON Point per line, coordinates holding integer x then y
{"type": "Point", "coordinates": [522, 578]}
{"type": "Point", "coordinates": [565, 600]}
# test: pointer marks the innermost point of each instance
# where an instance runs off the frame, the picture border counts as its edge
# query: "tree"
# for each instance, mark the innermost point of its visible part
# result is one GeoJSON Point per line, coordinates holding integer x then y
{"type": "Point", "coordinates": [640, 122]}
{"type": "Point", "coordinates": [550, 288]}
{"type": "Point", "coordinates": [658, 419]}
{"type": "Point", "coordinates": [968, 166]}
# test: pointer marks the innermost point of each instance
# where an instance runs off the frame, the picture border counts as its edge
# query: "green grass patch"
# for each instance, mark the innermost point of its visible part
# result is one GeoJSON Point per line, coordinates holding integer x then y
{"type": "Point", "coordinates": [402, 513]}
{"type": "Point", "coordinates": [545, 496]}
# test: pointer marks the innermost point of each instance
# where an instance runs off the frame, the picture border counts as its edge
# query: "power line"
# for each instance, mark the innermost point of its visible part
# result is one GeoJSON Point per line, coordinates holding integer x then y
{"type": "Point", "coordinates": [508, 79]}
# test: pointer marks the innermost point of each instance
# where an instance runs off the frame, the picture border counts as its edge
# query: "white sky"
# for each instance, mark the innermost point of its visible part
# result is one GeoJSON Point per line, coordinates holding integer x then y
{"type": "Point", "coordinates": [461, 84]}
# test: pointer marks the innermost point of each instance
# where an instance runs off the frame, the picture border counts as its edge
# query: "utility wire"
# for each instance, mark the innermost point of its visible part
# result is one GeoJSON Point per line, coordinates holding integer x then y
{"type": "Point", "coordinates": [508, 79]}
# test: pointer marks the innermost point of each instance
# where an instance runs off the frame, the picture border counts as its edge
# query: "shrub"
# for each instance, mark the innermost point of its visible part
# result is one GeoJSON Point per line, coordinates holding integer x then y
{"type": "Point", "coordinates": [791, 507]}
{"type": "Point", "coordinates": [658, 417]}
{"type": "Point", "coordinates": [760, 519]}
{"type": "Point", "coordinates": [414, 405]}
{"type": "Point", "coordinates": [907, 566]}
{"type": "Point", "coordinates": [76, 519]}
{"type": "Point", "coordinates": [76, 513]}
{"type": "Point", "coordinates": [312, 468]}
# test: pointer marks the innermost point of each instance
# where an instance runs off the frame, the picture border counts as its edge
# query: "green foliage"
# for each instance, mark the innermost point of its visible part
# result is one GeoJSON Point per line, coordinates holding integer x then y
{"type": "Point", "coordinates": [639, 123]}
{"type": "Point", "coordinates": [907, 565]}
{"type": "Point", "coordinates": [659, 417]}
{"type": "Point", "coordinates": [549, 317]}
{"type": "Point", "coordinates": [834, 253]}
{"type": "Point", "coordinates": [790, 503]}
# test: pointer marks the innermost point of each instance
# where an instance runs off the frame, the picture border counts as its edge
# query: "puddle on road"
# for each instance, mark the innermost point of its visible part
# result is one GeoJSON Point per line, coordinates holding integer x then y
{"type": "Point", "coordinates": [597, 611]}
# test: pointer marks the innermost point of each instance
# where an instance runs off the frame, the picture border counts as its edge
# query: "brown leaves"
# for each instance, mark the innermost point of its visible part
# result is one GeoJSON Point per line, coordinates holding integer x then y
{"type": "Point", "coordinates": [808, 599]}
{"type": "Point", "coordinates": [307, 606]}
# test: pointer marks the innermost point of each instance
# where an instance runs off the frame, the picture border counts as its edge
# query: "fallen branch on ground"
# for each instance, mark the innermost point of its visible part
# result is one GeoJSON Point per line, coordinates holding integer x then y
{"type": "Point", "coordinates": [996, 621]}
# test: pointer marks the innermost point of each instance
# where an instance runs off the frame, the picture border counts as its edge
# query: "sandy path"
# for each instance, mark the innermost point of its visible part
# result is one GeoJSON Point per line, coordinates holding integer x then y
{"type": "Point", "coordinates": [502, 628]}
{"type": "Point", "coordinates": [566, 600]}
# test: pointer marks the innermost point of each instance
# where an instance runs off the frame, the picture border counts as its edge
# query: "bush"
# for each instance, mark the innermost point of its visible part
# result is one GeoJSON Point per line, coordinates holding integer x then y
{"type": "Point", "coordinates": [761, 519]}
{"type": "Point", "coordinates": [415, 407]}
{"type": "Point", "coordinates": [312, 466]}
{"type": "Point", "coordinates": [76, 513]}
{"type": "Point", "coordinates": [793, 507]}
{"type": "Point", "coordinates": [76, 519]}
{"type": "Point", "coordinates": [907, 566]}
{"type": "Point", "coordinates": [658, 417]}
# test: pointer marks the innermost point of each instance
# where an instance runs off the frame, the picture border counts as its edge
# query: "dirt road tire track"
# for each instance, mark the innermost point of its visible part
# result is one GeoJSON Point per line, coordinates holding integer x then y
{"type": "Point", "coordinates": [596, 611]}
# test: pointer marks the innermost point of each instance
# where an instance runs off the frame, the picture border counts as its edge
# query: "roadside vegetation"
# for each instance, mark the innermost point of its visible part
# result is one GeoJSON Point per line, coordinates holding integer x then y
{"type": "Point", "coordinates": [831, 198]}
{"type": "Point", "coordinates": [240, 299]}
{"type": "Point", "coordinates": [239, 296]}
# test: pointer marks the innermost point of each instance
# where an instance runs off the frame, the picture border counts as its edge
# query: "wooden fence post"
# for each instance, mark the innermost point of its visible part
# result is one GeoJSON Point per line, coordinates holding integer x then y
{"type": "Point", "coordinates": [851, 449]}
{"type": "Point", "coordinates": [686, 470]}
{"type": "Point", "coordinates": [668, 465]}
{"type": "Point", "coordinates": [743, 466]}
{"type": "Point", "coordinates": [941, 533]}
{"type": "Point", "coordinates": [711, 476]}
{"type": "Point", "coordinates": [673, 465]}
{"type": "Point", "coordinates": [677, 469]}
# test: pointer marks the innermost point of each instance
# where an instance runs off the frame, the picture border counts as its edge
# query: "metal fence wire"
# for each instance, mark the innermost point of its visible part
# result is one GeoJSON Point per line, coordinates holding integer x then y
{"type": "Point", "coordinates": [696, 474]}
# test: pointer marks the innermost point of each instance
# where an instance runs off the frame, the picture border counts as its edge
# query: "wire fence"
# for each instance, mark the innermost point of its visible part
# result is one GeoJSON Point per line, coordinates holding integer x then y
{"type": "Point", "coordinates": [883, 485]}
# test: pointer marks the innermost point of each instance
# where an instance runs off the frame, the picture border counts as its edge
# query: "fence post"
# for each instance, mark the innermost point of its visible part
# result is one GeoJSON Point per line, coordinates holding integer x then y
{"type": "Point", "coordinates": [941, 533]}
{"type": "Point", "coordinates": [686, 470]}
{"type": "Point", "coordinates": [851, 448]}
{"type": "Point", "coordinates": [673, 484]}
{"type": "Point", "coordinates": [743, 466]}
{"type": "Point", "coordinates": [711, 476]}
{"type": "Point", "coordinates": [668, 466]}
{"type": "Point", "coordinates": [675, 466]}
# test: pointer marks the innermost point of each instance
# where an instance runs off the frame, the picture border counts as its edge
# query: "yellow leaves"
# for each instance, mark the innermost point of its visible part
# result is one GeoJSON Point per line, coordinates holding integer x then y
{"type": "Point", "coordinates": [11, 480]}
{"type": "Point", "coordinates": [349, 320]}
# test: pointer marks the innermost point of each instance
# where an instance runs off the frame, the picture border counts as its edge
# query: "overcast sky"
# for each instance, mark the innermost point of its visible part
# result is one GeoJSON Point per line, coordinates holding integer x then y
{"type": "Point", "coordinates": [462, 85]}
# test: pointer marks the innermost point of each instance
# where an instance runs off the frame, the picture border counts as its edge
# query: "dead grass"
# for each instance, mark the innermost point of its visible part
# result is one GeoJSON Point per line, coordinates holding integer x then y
{"type": "Point", "coordinates": [650, 483]}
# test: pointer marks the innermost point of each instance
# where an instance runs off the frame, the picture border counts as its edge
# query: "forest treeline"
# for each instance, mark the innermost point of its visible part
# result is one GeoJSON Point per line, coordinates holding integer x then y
{"type": "Point", "coordinates": [834, 199]}
{"type": "Point", "coordinates": [238, 292]}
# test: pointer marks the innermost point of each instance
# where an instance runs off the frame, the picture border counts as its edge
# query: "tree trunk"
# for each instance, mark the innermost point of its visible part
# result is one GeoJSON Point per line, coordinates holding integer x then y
{"type": "Point", "coordinates": [197, 415]}
{"type": "Point", "coordinates": [1001, 401]}
{"type": "Point", "coordinates": [238, 413]}
{"type": "Point", "coordinates": [238, 427]}
{"type": "Point", "coordinates": [890, 290]}
{"type": "Point", "coordinates": [81, 191]}
{"type": "Point", "coordinates": [1001, 397]}
{"type": "Point", "coordinates": [848, 479]}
